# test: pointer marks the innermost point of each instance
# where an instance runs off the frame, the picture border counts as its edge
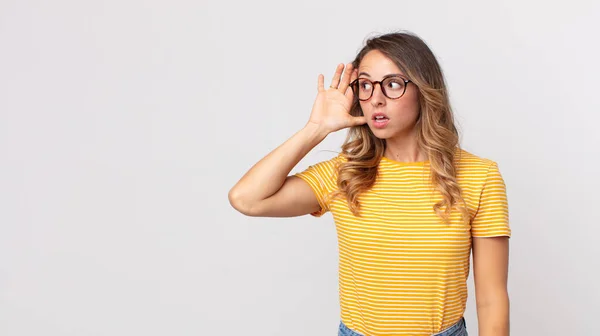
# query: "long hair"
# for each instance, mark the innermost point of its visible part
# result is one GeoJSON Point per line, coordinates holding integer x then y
{"type": "Point", "coordinates": [436, 132]}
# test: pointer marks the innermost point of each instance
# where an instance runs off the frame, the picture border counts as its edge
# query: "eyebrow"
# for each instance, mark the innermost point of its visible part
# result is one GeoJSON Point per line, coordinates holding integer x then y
{"type": "Point", "coordinates": [386, 76]}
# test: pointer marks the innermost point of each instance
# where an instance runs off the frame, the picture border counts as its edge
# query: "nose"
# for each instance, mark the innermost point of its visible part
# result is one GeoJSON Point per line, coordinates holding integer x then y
{"type": "Point", "coordinates": [378, 98]}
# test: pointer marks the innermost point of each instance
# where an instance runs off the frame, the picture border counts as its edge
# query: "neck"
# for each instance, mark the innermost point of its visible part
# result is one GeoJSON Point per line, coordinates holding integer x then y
{"type": "Point", "coordinates": [404, 149]}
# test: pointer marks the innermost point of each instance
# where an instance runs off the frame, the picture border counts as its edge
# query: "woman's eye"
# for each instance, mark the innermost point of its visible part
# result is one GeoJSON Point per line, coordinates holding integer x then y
{"type": "Point", "coordinates": [395, 85]}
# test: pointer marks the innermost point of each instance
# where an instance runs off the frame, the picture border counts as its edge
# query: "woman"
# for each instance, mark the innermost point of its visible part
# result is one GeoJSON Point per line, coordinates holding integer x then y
{"type": "Point", "coordinates": [408, 203]}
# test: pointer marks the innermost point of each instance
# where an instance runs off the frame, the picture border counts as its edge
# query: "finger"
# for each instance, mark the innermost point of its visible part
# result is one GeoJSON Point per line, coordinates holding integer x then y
{"type": "Point", "coordinates": [321, 83]}
{"type": "Point", "coordinates": [349, 93]}
{"type": "Point", "coordinates": [354, 75]}
{"type": "Point", "coordinates": [346, 78]}
{"type": "Point", "coordinates": [336, 77]}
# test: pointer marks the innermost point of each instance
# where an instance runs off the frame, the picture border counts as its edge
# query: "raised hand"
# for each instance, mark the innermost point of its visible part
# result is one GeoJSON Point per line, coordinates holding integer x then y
{"type": "Point", "coordinates": [332, 106]}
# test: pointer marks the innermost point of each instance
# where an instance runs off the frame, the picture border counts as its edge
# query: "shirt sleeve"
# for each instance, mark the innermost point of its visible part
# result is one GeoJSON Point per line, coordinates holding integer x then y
{"type": "Point", "coordinates": [322, 179]}
{"type": "Point", "coordinates": [491, 218]}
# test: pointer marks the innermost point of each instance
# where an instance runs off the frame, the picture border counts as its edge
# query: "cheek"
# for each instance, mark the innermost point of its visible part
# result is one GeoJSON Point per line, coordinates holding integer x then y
{"type": "Point", "coordinates": [406, 110]}
{"type": "Point", "coordinates": [412, 102]}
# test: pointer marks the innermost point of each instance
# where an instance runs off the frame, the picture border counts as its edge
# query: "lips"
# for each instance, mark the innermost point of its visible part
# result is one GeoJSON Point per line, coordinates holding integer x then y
{"type": "Point", "coordinates": [379, 116]}
{"type": "Point", "coordinates": [380, 120]}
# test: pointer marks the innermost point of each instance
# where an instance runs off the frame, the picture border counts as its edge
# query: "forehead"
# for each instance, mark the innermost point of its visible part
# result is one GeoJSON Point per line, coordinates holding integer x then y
{"type": "Point", "coordinates": [377, 65]}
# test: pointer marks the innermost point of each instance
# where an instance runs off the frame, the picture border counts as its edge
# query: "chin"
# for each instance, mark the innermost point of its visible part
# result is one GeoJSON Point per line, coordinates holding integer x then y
{"type": "Point", "coordinates": [381, 133]}
{"type": "Point", "coordinates": [388, 133]}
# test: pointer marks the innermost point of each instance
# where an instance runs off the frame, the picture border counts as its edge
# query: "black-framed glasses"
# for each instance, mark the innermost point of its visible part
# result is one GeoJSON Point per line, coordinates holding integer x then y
{"type": "Point", "coordinates": [392, 87]}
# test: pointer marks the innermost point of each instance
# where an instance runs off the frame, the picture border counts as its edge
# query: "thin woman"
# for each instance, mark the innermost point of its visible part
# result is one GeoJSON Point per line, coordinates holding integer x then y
{"type": "Point", "coordinates": [409, 204]}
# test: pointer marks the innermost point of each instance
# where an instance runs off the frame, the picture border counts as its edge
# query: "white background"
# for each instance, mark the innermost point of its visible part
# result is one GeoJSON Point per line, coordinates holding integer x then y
{"type": "Point", "coordinates": [123, 125]}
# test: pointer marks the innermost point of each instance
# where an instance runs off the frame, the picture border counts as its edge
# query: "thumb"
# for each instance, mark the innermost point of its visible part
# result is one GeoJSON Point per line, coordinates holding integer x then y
{"type": "Point", "coordinates": [356, 121]}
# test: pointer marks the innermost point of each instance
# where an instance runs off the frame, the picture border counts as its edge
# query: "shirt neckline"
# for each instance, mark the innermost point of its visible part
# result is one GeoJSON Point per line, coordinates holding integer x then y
{"type": "Point", "coordinates": [405, 164]}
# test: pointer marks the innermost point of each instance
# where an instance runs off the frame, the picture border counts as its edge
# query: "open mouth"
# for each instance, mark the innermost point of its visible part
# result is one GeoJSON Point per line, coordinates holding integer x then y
{"type": "Point", "coordinates": [380, 120]}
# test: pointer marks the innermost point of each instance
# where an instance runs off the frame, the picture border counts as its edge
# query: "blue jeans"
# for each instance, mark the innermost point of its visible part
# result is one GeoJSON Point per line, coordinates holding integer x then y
{"type": "Point", "coordinates": [458, 329]}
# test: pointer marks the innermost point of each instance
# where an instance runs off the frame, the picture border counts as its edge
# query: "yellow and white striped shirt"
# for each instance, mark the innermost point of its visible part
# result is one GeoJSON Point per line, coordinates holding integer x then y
{"type": "Point", "coordinates": [402, 270]}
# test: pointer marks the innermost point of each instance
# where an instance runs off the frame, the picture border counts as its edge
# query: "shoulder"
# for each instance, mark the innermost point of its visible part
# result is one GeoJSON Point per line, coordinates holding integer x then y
{"type": "Point", "coordinates": [325, 168]}
{"type": "Point", "coordinates": [473, 167]}
{"type": "Point", "coordinates": [466, 158]}
{"type": "Point", "coordinates": [331, 163]}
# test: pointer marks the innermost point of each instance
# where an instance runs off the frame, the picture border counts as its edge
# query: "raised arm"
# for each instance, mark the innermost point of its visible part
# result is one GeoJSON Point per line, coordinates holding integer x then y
{"type": "Point", "coordinates": [267, 190]}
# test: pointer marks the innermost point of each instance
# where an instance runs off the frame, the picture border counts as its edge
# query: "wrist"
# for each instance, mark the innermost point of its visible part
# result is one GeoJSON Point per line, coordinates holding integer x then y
{"type": "Point", "coordinates": [315, 131]}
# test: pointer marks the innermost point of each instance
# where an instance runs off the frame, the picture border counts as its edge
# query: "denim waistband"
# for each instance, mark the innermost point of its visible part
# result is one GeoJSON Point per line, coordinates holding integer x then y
{"type": "Point", "coordinates": [457, 329]}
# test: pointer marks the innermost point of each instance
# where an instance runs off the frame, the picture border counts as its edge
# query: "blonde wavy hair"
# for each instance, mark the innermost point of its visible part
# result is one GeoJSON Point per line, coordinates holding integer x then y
{"type": "Point", "coordinates": [437, 134]}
